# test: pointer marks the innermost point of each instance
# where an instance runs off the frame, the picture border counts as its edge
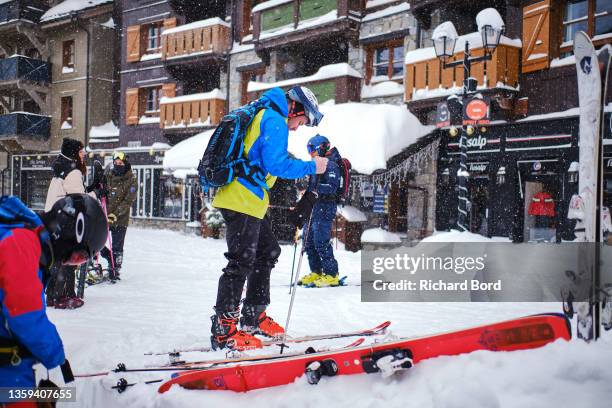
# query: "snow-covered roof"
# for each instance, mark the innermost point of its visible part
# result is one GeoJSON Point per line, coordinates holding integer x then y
{"type": "Point", "coordinates": [214, 94]}
{"type": "Point", "coordinates": [491, 17]}
{"type": "Point", "coordinates": [475, 40]}
{"type": "Point", "coordinates": [303, 24]}
{"type": "Point", "coordinates": [376, 3]}
{"type": "Point", "coordinates": [377, 235]}
{"type": "Point", "coordinates": [386, 12]}
{"type": "Point", "coordinates": [67, 7]}
{"type": "Point", "coordinates": [351, 214]}
{"type": "Point", "coordinates": [196, 24]}
{"type": "Point", "coordinates": [386, 88]}
{"type": "Point", "coordinates": [269, 4]}
{"type": "Point", "coordinates": [325, 72]}
{"type": "Point", "coordinates": [106, 131]}
{"type": "Point", "coordinates": [367, 134]}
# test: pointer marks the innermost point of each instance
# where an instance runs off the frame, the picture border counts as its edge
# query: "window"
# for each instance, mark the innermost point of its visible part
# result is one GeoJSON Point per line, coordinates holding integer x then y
{"type": "Point", "coordinates": [66, 114]}
{"type": "Point", "coordinates": [387, 61]}
{"type": "Point", "coordinates": [154, 37]}
{"type": "Point", "coordinates": [246, 77]}
{"type": "Point", "coordinates": [68, 56]}
{"type": "Point", "coordinates": [591, 16]}
{"type": "Point", "coordinates": [152, 97]}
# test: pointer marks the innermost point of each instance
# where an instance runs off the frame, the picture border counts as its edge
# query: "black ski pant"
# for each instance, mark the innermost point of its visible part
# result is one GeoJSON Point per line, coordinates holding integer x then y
{"type": "Point", "coordinates": [62, 281]}
{"type": "Point", "coordinates": [252, 252]}
{"type": "Point", "coordinates": [118, 239]}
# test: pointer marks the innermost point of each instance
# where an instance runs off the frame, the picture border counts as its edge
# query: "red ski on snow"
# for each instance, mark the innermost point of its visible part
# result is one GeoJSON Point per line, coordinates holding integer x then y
{"type": "Point", "coordinates": [517, 334]}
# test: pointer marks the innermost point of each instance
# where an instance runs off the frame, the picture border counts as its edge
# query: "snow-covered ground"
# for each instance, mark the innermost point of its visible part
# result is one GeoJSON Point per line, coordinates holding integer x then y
{"type": "Point", "coordinates": [166, 295]}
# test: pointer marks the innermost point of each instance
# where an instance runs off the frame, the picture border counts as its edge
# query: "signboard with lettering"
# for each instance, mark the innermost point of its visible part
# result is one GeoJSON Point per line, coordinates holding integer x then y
{"type": "Point", "coordinates": [478, 167]}
{"type": "Point", "coordinates": [442, 115]}
{"type": "Point", "coordinates": [476, 112]}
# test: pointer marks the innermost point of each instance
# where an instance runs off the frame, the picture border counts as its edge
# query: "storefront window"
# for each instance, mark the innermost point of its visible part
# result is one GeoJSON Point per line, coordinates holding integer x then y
{"type": "Point", "coordinates": [36, 187]}
{"type": "Point", "coordinates": [171, 197]}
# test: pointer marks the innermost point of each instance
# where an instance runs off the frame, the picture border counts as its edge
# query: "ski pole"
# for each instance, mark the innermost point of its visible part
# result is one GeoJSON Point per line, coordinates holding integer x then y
{"type": "Point", "coordinates": [295, 238]}
{"type": "Point", "coordinates": [297, 275]}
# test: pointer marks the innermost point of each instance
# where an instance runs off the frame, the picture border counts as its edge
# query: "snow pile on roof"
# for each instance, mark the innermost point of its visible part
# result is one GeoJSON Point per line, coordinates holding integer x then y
{"type": "Point", "coordinates": [376, 235]}
{"type": "Point", "coordinates": [325, 72]}
{"type": "Point", "coordinates": [269, 4]}
{"type": "Point", "coordinates": [490, 17]}
{"type": "Point", "coordinates": [196, 24]}
{"type": "Point", "coordinates": [387, 12]}
{"type": "Point", "coordinates": [366, 134]}
{"type": "Point", "coordinates": [105, 133]}
{"type": "Point", "coordinates": [475, 40]}
{"type": "Point", "coordinates": [67, 7]}
{"type": "Point", "coordinates": [461, 236]}
{"type": "Point", "coordinates": [351, 214]}
{"type": "Point", "coordinates": [187, 154]}
{"type": "Point", "coordinates": [214, 94]}
{"type": "Point", "coordinates": [376, 3]}
{"type": "Point", "coordinates": [386, 88]}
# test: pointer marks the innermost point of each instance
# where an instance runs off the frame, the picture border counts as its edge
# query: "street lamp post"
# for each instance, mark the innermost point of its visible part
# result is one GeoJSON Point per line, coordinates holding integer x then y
{"type": "Point", "coordinates": [444, 39]}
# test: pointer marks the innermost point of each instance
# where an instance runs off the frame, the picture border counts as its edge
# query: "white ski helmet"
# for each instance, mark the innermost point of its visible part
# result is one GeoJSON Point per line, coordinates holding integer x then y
{"type": "Point", "coordinates": [304, 96]}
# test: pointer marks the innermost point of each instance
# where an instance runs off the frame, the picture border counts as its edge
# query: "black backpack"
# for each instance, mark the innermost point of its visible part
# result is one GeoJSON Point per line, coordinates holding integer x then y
{"type": "Point", "coordinates": [223, 159]}
{"type": "Point", "coordinates": [345, 175]}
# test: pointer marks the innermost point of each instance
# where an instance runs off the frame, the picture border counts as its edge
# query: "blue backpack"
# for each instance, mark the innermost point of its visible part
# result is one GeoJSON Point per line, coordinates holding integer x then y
{"type": "Point", "coordinates": [15, 214]}
{"type": "Point", "coordinates": [224, 158]}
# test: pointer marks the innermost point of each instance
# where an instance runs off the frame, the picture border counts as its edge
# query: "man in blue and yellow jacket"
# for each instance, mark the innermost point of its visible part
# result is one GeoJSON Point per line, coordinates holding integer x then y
{"type": "Point", "coordinates": [252, 248]}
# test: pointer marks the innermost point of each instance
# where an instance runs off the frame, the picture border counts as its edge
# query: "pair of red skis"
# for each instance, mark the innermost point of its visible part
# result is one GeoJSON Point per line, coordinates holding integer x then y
{"type": "Point", "coordinates": [385, 357]}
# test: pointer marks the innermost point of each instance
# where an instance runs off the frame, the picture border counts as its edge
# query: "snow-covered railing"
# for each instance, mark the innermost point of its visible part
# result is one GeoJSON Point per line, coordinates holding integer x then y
{"type": "Point", "coordinates": [200, 37]}
{"type": "Point", "coordinates": [425, 78]}
{"type": "Point", "coordinates": [339, 82]}
{"type": "Point", "coordinates": [195, 110]}
{"type": "Point", "coordinates": [284, 16]}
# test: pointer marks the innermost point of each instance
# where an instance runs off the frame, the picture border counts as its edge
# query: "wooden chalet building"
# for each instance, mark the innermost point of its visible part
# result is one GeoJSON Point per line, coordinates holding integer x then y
{"type": "Point", "coordinates": [525, 154]}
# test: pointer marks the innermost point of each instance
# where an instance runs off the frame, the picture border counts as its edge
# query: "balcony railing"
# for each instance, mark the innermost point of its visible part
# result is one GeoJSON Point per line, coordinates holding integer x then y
{"type": "Point", "coordinates": [23, 124]}
{"type": "Point", "coordinates": [189, 111]}
{"type": "Point", "coordinates": [24, 68]}
{"type": "Point", "coordinates": [424, 77]}
{"type": "Point", "coordinates": [211, 36]}
{"type": "Point", "coordinates": [30, 10]}
{"type": "Point", "coordinates": [273, 18]}
{"type": "Point", "coordinates": [339, 82]}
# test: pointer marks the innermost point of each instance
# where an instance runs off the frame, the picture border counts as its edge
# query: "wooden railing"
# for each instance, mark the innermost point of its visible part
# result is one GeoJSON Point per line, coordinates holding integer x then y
{"type": "Point", "coordinates": [426, 79]}
{"type": "Point", "coordinates": [197, 110]}
{"type": "Point", "coordinates": [198, 38]}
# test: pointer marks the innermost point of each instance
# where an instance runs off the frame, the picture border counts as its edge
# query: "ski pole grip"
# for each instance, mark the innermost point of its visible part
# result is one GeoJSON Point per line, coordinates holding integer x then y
{"type": "Point", "coordinates": [67, 372]}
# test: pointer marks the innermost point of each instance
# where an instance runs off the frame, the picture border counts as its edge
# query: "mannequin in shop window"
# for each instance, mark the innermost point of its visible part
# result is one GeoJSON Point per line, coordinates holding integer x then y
{"type": "Point", "coordinates": [542, 207]}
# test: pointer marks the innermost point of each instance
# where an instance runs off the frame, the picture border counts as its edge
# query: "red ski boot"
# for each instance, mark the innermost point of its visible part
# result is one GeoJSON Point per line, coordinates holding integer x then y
{"type": "Point", "coordinates": [226, 334]}
{"type": "Point", "coordinates": [254, 320]}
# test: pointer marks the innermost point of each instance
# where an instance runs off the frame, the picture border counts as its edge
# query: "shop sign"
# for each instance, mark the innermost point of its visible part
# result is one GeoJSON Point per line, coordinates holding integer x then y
{"type": "Point", "coordinates": [478, 142]}
{"type": "Point", "coordinates": [608, 162]}
{"type": "Point", "coordinates": [37, 163]}
{"type": "Point", "coordinates": [442, 115]}
{"type": "Point", "coordinates": [478, 167]}
{"type": "Point", "coordinates": [476, 112]}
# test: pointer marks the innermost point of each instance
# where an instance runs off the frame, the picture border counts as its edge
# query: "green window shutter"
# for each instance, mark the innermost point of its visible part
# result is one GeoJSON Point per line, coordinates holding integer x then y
{"type": "Point", "coordinates": [277, 17]}
{"type": "Point", "coordinates": [315, 8]}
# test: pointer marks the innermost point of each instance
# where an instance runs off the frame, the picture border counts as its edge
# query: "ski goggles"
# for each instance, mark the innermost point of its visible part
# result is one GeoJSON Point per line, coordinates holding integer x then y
{"type": "Point", "coordinates": [119, 156]}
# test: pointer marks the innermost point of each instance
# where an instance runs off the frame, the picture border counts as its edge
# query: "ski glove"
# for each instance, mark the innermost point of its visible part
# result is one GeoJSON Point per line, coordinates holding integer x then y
{"type": "Point", "coordinates": [302, 210]}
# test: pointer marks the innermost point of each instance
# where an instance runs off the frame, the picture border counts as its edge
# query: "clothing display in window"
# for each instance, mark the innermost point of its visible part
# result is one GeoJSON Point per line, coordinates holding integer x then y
{"type": "Point", "coordinates": [542, 204]}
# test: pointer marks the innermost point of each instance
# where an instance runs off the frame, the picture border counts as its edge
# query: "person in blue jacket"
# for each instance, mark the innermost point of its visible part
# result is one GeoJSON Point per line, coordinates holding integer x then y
{"type": "Point", "coordinates": [72, 231]}
{"type": "Point", "coordinates": [252, 249]}
{"type": "Point", "coordinates": [324, 190]}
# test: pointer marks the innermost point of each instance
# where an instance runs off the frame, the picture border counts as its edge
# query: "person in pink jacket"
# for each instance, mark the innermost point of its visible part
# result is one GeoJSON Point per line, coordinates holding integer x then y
{"type": "Point", "coordinates": [69, 173]}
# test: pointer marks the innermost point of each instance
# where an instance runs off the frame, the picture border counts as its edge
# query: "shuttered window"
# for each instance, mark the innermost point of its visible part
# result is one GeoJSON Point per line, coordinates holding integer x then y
{"type": "Point", "coordinates": [133, 44]}
{"type": "Point", "coordinates": [536, 36]}
{"type": "Point", "coordinates": [132, 106]}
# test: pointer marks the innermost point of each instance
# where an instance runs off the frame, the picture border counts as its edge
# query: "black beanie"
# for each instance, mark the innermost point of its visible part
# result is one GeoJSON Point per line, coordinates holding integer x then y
{"type": "Point", "coordinates": [71, 148]}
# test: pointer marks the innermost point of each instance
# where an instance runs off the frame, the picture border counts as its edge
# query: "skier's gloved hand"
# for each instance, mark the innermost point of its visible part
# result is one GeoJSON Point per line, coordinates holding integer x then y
{"type": "Point", "coordinates": [112, 218]}
{"type": "Point", "coordinates": [321, 163]}
{"type": "Point", "coordinates": [302, 210]}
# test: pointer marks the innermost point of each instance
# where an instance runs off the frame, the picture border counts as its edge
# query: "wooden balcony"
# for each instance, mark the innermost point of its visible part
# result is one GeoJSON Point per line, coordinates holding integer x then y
{"type": "Point", "coordinates": [192, 111]}
{"type": "Point", "coordinates": [425, 79]}
{"type": "Point", "coordinates": [206, 39]}
{"type": "Point", "coordinates": [337, 81]}
{"type": "Point", "coordinates": [293, 21]}
{"type": "Point", "coordinates": [21, 131]}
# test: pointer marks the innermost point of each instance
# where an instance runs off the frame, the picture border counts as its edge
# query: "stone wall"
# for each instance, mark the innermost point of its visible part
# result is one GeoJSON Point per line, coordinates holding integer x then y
{"type": "Point", "coordinates": [237, 60]}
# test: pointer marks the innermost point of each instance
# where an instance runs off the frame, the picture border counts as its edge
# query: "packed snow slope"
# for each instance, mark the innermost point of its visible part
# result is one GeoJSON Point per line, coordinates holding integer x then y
{"type": "Point", "coordinates": [166, 295]}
